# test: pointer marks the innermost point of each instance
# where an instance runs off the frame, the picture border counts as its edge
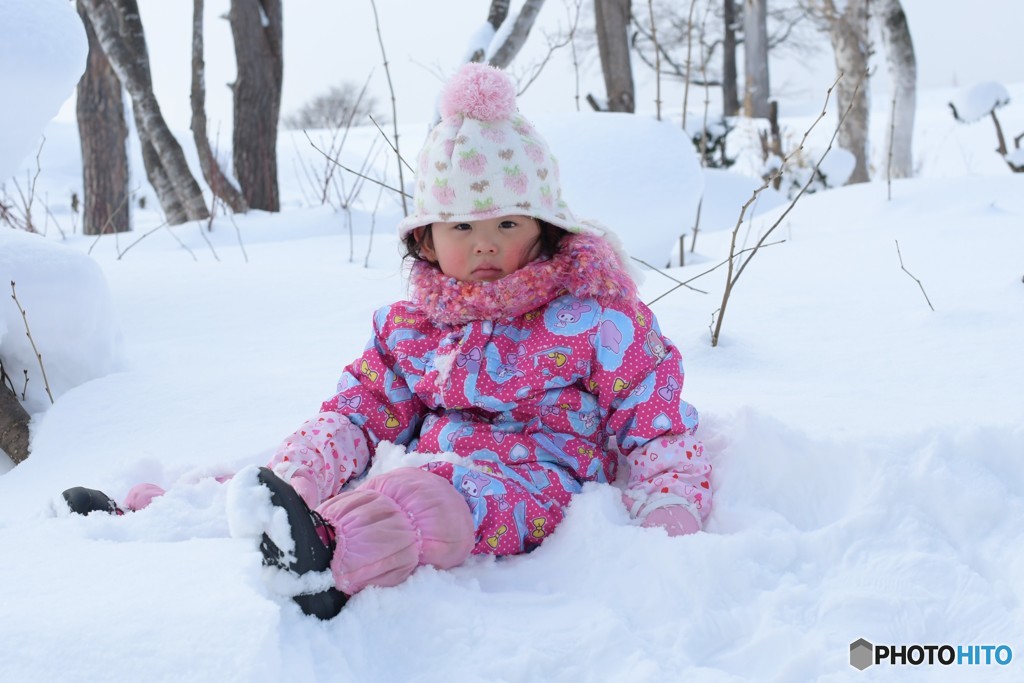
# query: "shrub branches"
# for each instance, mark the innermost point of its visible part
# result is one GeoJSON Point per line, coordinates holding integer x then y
{"type": "Point", "coordinates": [735, 267]}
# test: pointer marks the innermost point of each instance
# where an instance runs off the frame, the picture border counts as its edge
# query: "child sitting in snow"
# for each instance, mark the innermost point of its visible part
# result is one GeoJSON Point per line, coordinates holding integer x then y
{"type": "Point", "coordinates": [524, 351]}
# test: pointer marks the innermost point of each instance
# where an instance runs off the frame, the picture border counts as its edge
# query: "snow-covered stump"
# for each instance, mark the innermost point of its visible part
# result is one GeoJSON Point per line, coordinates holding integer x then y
{"type": "Point", "coordinates": [981, 100]}
{"type": "Point", "coordinates": [70, 313]}
{"type": "Point", "coordinates": [43, 51]}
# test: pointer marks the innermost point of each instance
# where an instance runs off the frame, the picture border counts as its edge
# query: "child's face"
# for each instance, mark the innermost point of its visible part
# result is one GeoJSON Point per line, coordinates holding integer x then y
{"type": "Point", "coordinates": [484, 250]}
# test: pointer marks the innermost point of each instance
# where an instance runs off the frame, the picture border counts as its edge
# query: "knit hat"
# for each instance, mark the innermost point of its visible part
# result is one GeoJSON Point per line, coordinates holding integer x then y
{"type": "Point", "coordinates": [484, 159]}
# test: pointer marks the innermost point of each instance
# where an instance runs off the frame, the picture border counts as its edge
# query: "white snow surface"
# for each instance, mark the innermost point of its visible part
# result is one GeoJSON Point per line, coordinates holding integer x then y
{"type": "Point", "coordinates": [867, 449]}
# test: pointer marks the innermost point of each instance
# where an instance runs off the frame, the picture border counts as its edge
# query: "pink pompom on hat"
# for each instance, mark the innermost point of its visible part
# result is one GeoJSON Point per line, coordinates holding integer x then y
{"type": "Point", "coordinates": [479, 92]}
{"type": "Point", "coordinates": [484, 159]}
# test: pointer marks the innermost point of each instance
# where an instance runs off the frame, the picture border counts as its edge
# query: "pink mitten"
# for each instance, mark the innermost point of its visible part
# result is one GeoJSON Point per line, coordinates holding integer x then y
{"type": "Point", "coordinates": [394, 523]}
{"type": "Point", "coordinates": [141, 495]}
{"type": "Point", "coordinates": [675, 519]}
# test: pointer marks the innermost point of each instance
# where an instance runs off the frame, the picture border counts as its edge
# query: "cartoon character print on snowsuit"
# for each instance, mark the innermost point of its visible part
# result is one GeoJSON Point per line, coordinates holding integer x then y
{"type": "Point", "coordinates": [529, 402]}
{"type": "Point", "coordinates": [524, 388]}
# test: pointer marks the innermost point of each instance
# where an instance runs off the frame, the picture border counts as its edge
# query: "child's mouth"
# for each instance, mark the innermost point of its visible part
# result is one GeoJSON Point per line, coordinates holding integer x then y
{"type": "Point", "coordinates": [487, 273]}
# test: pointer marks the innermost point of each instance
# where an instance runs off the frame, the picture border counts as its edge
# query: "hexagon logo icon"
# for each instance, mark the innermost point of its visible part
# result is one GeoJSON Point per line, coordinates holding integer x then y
{"type": "Point", "coordinates": [861, 654]}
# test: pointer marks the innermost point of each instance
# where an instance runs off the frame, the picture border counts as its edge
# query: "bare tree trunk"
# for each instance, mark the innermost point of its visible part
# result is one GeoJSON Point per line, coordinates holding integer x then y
{"type": "Point", "coordinates": [102, 132]}
{"type": "Point", "coordinates": [755, 53]}
{"type": "Point", "coordinates": [495, 17]}
{"type": "Point", "coordinates": [161, 182]}
{"type": "Point", "coordinates": [498, 12]}
{"type": "Point", "coordinates": [730, 95]}
{"type": "Point", "coordinates": [849, 34]}
{"type": "Point", "coordinates": [256, 28]}
{"type": "Point", "coordinates": [215, 178]}
{"type": "Point", "coordinates": [119, 31]}
{"type": "Point", "coordinates": [612, 25]}
{"type": "Point", "coordinates": [899, 54]}
{"type": "Point", "coordinates": [504, 55]}
{"type": "Point", "coordinates": [13, 426]}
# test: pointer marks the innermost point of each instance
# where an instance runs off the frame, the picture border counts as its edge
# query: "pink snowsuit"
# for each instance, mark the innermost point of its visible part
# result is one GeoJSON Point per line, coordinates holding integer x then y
{"type": "Point", "coordinates": [524, 387]}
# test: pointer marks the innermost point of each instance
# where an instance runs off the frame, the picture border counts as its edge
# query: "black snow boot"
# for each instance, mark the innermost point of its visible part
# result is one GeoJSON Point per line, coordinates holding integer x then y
{"type": "Point", "coordinates": [314, 545]}
{"type": "Point", "coordinates": [83, 501]}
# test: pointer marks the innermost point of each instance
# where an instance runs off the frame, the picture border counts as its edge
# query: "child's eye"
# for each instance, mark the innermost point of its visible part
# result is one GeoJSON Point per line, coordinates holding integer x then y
{"type": "Point", "coordinates": [508, 224]}
{"type": "Point", "coordinates": [462, 226]}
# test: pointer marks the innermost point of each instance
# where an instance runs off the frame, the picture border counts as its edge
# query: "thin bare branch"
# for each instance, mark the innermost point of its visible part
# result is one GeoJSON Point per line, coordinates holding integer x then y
{"type": "Point", "coordinates": [371, 179]}
{"type": "Point", "coordinates": [553, 47]}
{"type": "Point", "coordinates": [28, 333]}
{"type": "Point", "coordinates": [238, 232]}
{"type": "Point", "coordinates": [810, 177]}
{"type": "Point", "coordinates": [904, 268]}
{"type": "Point", "coordinates": [735, 273]}
{"type": "Point", "coordinates": [165, 224]}
{"type": "Point", "coordinates": [394, 108]}
{"type": "Point", "coordinates": [662, 273]}
{"type": "Point", "coordinates": [657, 59]}
{"type": "Point", "coordinates": [689, 48]}
{"type": "Point", "coordinates": [393, 147]}
{"type": "Point", "coordinates": [685, 283]}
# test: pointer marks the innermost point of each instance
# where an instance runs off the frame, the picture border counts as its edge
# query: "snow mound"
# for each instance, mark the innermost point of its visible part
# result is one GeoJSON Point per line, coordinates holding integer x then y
{"type": "Point", "coordinates": [599, 154]}
{"type": "Point", "coordinates": [45, 40]}
{"type": "Point", "coordinates": [69, 311]}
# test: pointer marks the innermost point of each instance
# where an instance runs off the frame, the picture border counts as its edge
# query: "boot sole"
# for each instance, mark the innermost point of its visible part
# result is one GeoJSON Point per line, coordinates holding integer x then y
{"type": "Point", "coordinates": [311, 555]}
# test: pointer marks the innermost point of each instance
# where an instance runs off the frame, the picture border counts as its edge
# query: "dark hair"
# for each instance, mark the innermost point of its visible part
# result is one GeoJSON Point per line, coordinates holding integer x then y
{"type": "Point", "coordinates": [550, 239]}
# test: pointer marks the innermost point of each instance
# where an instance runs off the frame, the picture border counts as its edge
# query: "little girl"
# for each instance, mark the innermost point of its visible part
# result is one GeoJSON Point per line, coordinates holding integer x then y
{"type": "Point", "coordinates": [524, 360]}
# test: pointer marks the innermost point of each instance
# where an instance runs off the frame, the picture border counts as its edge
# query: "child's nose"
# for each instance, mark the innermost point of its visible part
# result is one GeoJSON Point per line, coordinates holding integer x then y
{"type": "Point", "coordinates": [486, 246]}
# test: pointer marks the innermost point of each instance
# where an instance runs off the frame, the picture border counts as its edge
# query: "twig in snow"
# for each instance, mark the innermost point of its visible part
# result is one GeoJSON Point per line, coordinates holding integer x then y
{"type": "Point", "coordinates": [912, 276]}
{"type": "Point", "coordinates": [686, 283]}
{"type": "Point", "coordinates": [144, 235]}
{"type": "Point", "coordinates": [28, 333]}
{"type": "Point", "coordinates": [734, 273]}
{"type": "Point", "coordinates": [238, 232]}
{"type": "Point", "coordinates": [204, 236]}
{"type": "Point", "coordinates": [662, 273]}
{"type": "Point", "coordinates": [106, 224]}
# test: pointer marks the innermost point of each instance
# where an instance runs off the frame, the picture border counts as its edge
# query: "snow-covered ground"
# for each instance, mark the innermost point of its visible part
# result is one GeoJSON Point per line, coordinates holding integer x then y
{"type": "Point", "coordinates": [868, 451]}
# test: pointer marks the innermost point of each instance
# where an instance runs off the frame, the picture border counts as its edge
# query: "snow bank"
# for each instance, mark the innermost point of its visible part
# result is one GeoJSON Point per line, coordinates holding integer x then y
{"type": "Point", "coordinates": [70, 313]}
{"type": "Point", "coordinates": [43, 54]}
{"type": "Point", "coordinates": [63, 292]}
{"type": "Point", "coordinates": [599, 155]}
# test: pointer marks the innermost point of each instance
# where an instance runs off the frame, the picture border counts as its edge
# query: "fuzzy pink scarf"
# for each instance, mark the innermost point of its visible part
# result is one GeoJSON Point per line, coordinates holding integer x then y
{"type": "Point", "coordinates": [585, 266]}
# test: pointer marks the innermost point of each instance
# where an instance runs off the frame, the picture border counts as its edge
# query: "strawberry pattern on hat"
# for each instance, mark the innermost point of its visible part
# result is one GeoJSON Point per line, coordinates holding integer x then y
{"type": "Point", "coordinates": [484, 159]}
